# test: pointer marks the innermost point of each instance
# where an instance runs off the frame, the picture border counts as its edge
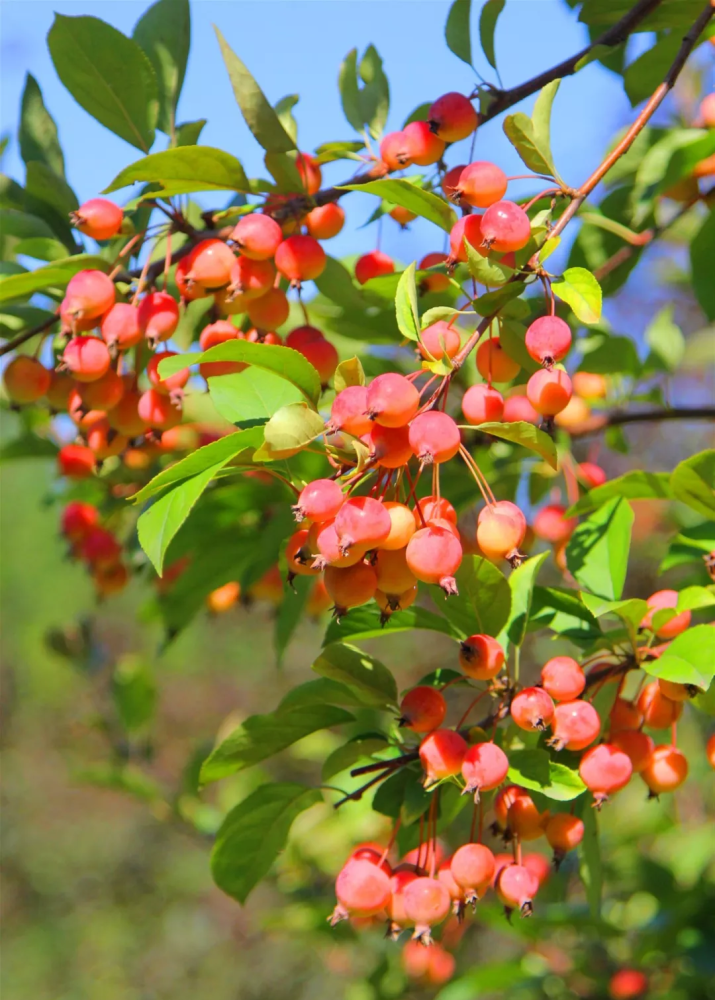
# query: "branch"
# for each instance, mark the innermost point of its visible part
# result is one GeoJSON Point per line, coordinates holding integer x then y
{"type": "Point", "coordinates": [10, 345]}
{"type": "Point", "coordinates": [598, 423]}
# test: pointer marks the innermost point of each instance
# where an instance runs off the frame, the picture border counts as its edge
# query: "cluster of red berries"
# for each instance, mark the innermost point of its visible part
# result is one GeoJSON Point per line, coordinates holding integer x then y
{"type": "Point", "coordinates": [96, 546]}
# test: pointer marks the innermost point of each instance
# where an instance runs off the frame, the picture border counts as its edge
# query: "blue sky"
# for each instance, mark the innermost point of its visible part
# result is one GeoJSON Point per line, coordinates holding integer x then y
{"type": "Point", "coordinates": [296, 46]}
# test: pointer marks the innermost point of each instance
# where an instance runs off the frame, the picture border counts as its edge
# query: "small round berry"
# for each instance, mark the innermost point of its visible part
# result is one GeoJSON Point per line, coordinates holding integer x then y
{"type": "Point", "coordinates": [604, 770]}
{"type": "Point", "coordinates": [372, 265]}
{"type": "Point", "coordinates": [26, 380]}
{"type": "Point", "coordinates": [493, 362]}
{"type": "Point", "coordinates": [439, 341]}
{"type": "Point", "coordinates": [548, 339]}
{"type": "Point", "coordinates": [434, 437]}
{"type": "Point", "coordinates": [300, 258]}
{"type": "Point", "coordinates": [549, 391]}
{"type": "Point", "coordinates": [325, 221]}
{"type": "Point", "coordinates": [99, 218]}
{"type": "Point", "coordinates": [392, 400]}
{"type": "Point", "coordinates": [532, 709]}
{"type": "Point", "coordinates": [437, 281]}
{"type": "Point", "coordinates": [481, 184]}
{"type": "Point", "coordinates": [468, 228]}
{"type": "Point", "coordinates": [310, 172]}
{"type": "Point", "coordinates": [210, 264]}
{"type": "Point", "coordinates": [424, 147]}
{"type": "Point", "coordinates": [501, 529]}
{"type": "Point", "coordinates": [158, 316]}
{"type": "Point", "coordinates": [434, 555]}
{"type": "Point", "coordinates": [482, 404]}
{"type": "Point", "coordinates": [423, 709]}
{"type": "Point", "coordinates": [452, 117]}
{"type": "Point", "coordinates": [257, 236]}
{"type": "Point", "coordinates": [76, 461]}
{"type": "Point", "coordinates": [666, 770]}
{"type": "Point", "coordinates": [481, 657]}
{"type": "Point", "coordinates": [516, 887]}
{"type": "Point", "coordinates": [485, 766]}
{"type": "Point", "coordinates": [575, 724]}
{"type": "Point", "coordinates": [87, 358]}
{"type": "Point", "coordinates": [441, 754]}
{"type": "Point", "coordinates": [664, 600]}
{"type": "Point", "coordinates": [552, 526]}
{"type": "Point", "coordinates": [563, 678]}
{"type": "Point", "coordinates": [505, 227]}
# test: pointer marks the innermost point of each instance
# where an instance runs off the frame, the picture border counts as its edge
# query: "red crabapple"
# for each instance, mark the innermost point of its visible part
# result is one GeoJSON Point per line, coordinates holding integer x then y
{"type": "Point", "coordinates": [75, 461]}
{"type": "Point", "coordinates": [402, 527]}
{"type": "Point", "coordinates": [250, 279]}
{"type": "Point", "coordinates": [434, 437]}
{"type": "Point", "coordinates": [519, 408]}
{"type": "Point", "coordinates": [532, 709]}
{"type": "Point", "coordinates": [388, 603]}
{"type": "Point", "coordinates": [325, 221]}
{"type": "Point", "coordinates": [422, 709]}
{"type": "Point", "coordinates": [625, 715]}
{"type": "Point", "coordinates": [444, 874]}
{"type": "Point", "coordinates": [504, 800]}
{"type": "Point", "coordinates": [604, 770]}
{"type": "Point", "coordinates": [392, 400]}
{"type": "Point", "coordinates": [397, 917]}
{"type": "Point", "coordinates": [319, 500]}
{"type": "Point", "coordinates": [158, 316]}
{"type": "Point", "coordinates": [505, 227]}
{"type": "Point", "coordinates": [223, 598]}
{"type": "Point", "coordinates": [425, 148]}
{"type": "Point", "coordinates": [188, 290]}
{"type": "Point", "coordinates": [395, 151]}
{"type": "Point", "coordinates": [26, 380]}
{"type": "Point", "coordinates": [591, 475]}
{"type": "Point", "coordinates": [434, 555]}
{"type": "Point", "coordinates": [348, 412]}
{"type": "Point", "coordinates": [468, 228]}
{"type": "Point", "coordinates": [104, 440]}
{"type": "Point", "coordinates": [77, 519]}
{"type": "Point", "coordinates": [416, 959]}
{"type": "Point", "coordinates": [516, 887]}
{"type": "Point", "coordinates": [485, 766]}
{"type": "Point", "coordinates": [321, 354]}
{"type": "Point", "coordinates": [427, 902]}
{"type": "Point", "coordinates": [575, 724]}
{"type": "Point", "coordinates": [124, 417]}
{"type": "Point", "coordinates": [659, 712]}
{"type": "Point", "coordinates": [472, 868]}
{"type": "Point", "coordinates": [158, 411]}
{"type": "Point", "coordinates": [450, 181]}
{"type": "Point", "coordinates": [538, 865]}
{"type": "Point", "coordinates": [493, 362]}
{"type": "Point", "coordinates": [481, 184]}
{"type": "Point", "coordinates": [89, 295]}
{"type": "Point", "coordinates": [675, 691]}
{"type": "Point", "coordinates": [551, 525]}
{"type": "Point", "coordinates": [666, 770]}
{"type": "Point", "coordinates": [564, 832]}
{"type": "Point", "coordinates": [590, 385]}
{"type": "Point", "coordinates": [323, 540]}
{"type": "Point", "coordinates": [439, 341]}
{"type": "Point", "coordinates": [299, 555]}
{"type": "Point", "coordinates": [437, 281]}
{"type": "Point", "coordinates": [99, 218]}
{"type": "Point", "coordinates": [452, 117]}
{"type": "Point", "coordinates": [110, 579]}
{"type": "Point", "coordinates": [302, 335]}
{"type": "Point", "coordinates": [350, 587]}
{"type": "Point", "coordinates": [433, 509]}
{"type": "Point", "coordinates": [372, 265]}
{"type": "Point", "coordinates": [210, 264]}
{"type": "Point", "coordinates": [300, 258]}
{"type": "Point", "coordinates": [403, 217]}
{"type": "Point", "coordinates": [393, 574]}
{"type": "Point", "coordinates": [481, 657]}
{"type": "Point", "coordinates": [270, 310]}
{"type": "Point", "coordinates": [257, 236]}
{"type": "Point", "coordinates": [637, 746]}
{"type": "Point", "coordinates": [99, 547]}
{"type": "Point", "coordinates": [310, 172]}
{"type": "Point", "coordinates": [563, 678]}
{"type": "Point", "coordinates": [362, 890]}
{"type": "Point", "coordinates": [660, 601]}
{"type": "Point", "coordinates": [501, 528]}
{"type": "Point", "coordinates": [172, 383]}
{"type": "Point", "coordinates": [60, 389]}
{"type": "Point", "coordinates": [710, 750]}
{"type": "Point", "coordinates": [86, 358]}
{"type": "Point", "coordinates": [627, 984]}
{"type": "Point", "coordinates": [103, 393]}
{"type": "Point", "coordinates": [481, 404]}
{"type": "Point", "coordinates": [374, 853]}
{"type": "Point", "coordinates": [441, 754]}
{"type": "Point", "coordinates": [362, 521]}
{"type": "Point", "coordinates": [548, 339]}
{"type": "Point", "coordinates": [549, 391]}
{"type": "Point", "coordinates": [120, 327]}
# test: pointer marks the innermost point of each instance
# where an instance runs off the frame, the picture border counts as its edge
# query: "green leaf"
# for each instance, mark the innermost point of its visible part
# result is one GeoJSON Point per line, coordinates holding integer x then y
{"type": "Point", "coordinates": [349, 91]}
{"type": "Point", "coordinates": [157, 526]}
{"type": "Point", "coordinates": [494, 302]}
{"type": "Point", "coordinates": [290, 612]}
{"type": "Point", "coordinates": [702, 254]}
{"type": "Point", "coordinates": [606, 354]}
{"type": "Point", "coordinates": [690, 544]}
{"type": "Point", "coordinates": [37, 134]}
{"type": "Point", "coordinates": [41, 248]}
{"type": "Point", "coordinates": [667, 14]}
{"type": "Point", "coordinates": [685, 150]}
{"type": "Point", "coordinates": [401, 192]}
{"type": "Point", "coordinates": [536, 770]}
{"type": "Point", "coordinates": [321, 691]}
{"type": "Point", "coordinates": [512, 337]}
{"type": "Point", "coordinates": [254, 833]}
{"type": "Point", "coordinates": [284, 110]}
{"type": "Point", "coordinates": [484, 601]}
{"type": "Point", "coordinates": [188, 133]}
{"type": "Point", "coordinates": [351, 754]}
{"type": "Point", "coordinates": [408, 317]}
{"type": "Point", "coordinates": [521, 584]}
{"type": "Point", "coordinates": [666, 342]}
{"type": "Point", "coordinates": [280, 360]}
{"type": "Point", "coordinates": [692, 481]}
{"type": "Point", "coordinates": [108, 75]}
{"type": "Point", "coordinates": [262, 736]}
{"type": "Point", "coordinates": [23, 225]}
{"type": "Point", "coordinates": [486, 271]}
{"type": "Point", "coordinates": [329, 152]}
{"type": "Point", "coordinates": [689, 659]}
{"type": "Point", "coordinates": [260, 117]}
{"type": "Point", "coordinates": [597, 553]}
{"type": "Point", "coordinates": [420, 114]}
{"type": "Point", "coordinates": [28, 446]}
{"type": "Point", "coordinates": [631, 611]}
{"type": "Point", "coordinates": [582, 292]}
{"type": "Point", "coordinates": [375, 95]}
{"type": "Point", "coordinates": [360, 671]}
{"type": "Point", "coordinates": [488, 18]}
{"type": "Point", "coordinates": [55, 275]}
{"type": "Point", "coordinates": [590, 864]}
{"type": "Point", "coordinates": [134, 692]}
{"type": "Point", "coordinates": [531, 136]}
{"type": "Point", "coordinates": [485, 979]}
{"type": "Point", "coordinates": [43, 185]}
{"type": "Point", "coordinates": [541, 116]}
{"type": "Point", "coordinates": [635, 485]}
{"type": "Point", "coordinates": [365, 623]}
{"type": "Point", "coordinates": [288, 431]}
{"type": "Point", "coordinates": [120, 779]}
{"type": "Point", "coordinates": [164, 33]}
{"type": "Point", "coordinates": [253, 394]}
{"type": "Point", "coordinates": [646, 73]}
{"type": "Point", "coordinates": [563, 611]}
{"type": "Point", "coordinates": [348, 373]}
{"type": "Point", "coordinates": [457, 31]}
{"type": "Point", "coordinates": [336, 283]}
{"type": "Point", "coordinates": [183, 170]}
{"type": "Point", "coordinates": [282, 168]}
{"type": "Point", "coordinates": [527, 435]}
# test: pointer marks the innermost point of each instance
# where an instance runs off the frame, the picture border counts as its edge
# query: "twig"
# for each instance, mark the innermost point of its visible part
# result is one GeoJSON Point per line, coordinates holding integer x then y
{"type": "Point", "coordinates": [28, 334]}
{"type": "Point", "coordinates": [600, 422]}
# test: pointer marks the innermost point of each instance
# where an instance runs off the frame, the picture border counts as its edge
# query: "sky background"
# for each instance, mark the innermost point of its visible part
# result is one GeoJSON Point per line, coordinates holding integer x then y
{"type": "Point", "coordinates": [296, 46]}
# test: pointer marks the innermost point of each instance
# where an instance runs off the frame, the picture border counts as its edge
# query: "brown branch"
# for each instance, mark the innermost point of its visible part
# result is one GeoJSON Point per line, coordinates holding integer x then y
{"type": "Point", "coordinates": [600, 422]}
{"type": "Point", "coordinates": [10, 345]}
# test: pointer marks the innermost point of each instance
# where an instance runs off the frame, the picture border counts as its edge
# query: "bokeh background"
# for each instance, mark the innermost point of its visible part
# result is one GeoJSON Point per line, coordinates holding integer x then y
{"type": "Point", "coordinates": [107, 893]}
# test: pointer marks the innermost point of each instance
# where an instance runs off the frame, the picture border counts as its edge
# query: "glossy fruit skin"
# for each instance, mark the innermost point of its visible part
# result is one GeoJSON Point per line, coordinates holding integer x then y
{"type": "Point", "coordinates": [362, 888]}
{"type": "Point", "coordinates": [661, 600]}
{"type": "Point", "coordinates": [395, 151]}
{"type": "Point", "coordinates": [59, 391]}
{"type": "Point", "coordinates": [158, 411]}
{"type": "Point", "coordinates": [392, 400]}
{"type": "Point", "coordinates": [434, 437]}
{"type": "Point", "coordinates": [575, 725]}
{"type": "Point", "coordinates": [538, 866]}
{"type": "Point", "coordinates": [300, 258]}
{"type": "Point", "coordinates": [393, 574]}
{"type": "Point", "coordinates": [439, 341]}
{"type": "Point", "coordinates": [438, 281]}
{"type": "Point", "coordinates": [710, 750]}
{"type": "Point", "coordinates": [551, 525]}
{"type": "Point", "coordinates": [427, 902]}
{"type": "Point", "coordinates": [503, 802]}
{"type": "Point", "coordinates": [674, 691]}
{"type": "Point", "coordinates": [103, 393]}
{"type": "Point", "coordinates": [372, 265]}
{"type": "Point", "coordinates": [402, 527]}
{"type": "Point", "coordinates": [532, 709]}
{"type": "Point", "coordinates": [468, 228]}
{"type": "Point", "coordinates": [125, 415]}
{"type": "Point", "coordinates": [516, 887]}
{"type": "Point", "coordinates": [505, 227]}
{"type": "Point", "coordinates": [75, 461]}
{"type": "Point", "coordinates": [249, 279]}
{"type": "Point", "coordinates": [481, 184]}
{"type": "Point", "coordinates": [659, 712]}
{"type": "Point", "coordinates": [519, 408]}
{"type": "Point", "coordinates": [172, 383]}
{"type": "Point", "coordinates": [501, 529]}
{"type": "Point", "coordinates": [89, 295]}
{"type": "Point", "coordinates": [257, 236]}
{"type": "Point", "coordinates": [99, 218]}
{"type": "Point", "coordinates": [362, 521]}
{"type": "Point", "coordinates": [348, 412]}
{"type": "Point", "coordinates": [441, 754]}
{"type": "Point", "coordinates": [120, 327]}
{"type": "Point", "coordinates": [564, 832]}
{"type": "Point", "coordinates": [402, 216]}
{"type": "Point", "coordinates": [87, 358]}
{"type": "Point", "coordinates": [26, 380]}
{"type": "Point", "coordinates": [493, 363]}
{"type": "Point", "coordinates": [666, 770]}
{"type": "Point", "coordinates": [549, 391]}
{"type": "Point", "coordinates": [104, 440]}
{"type": "Point", "coordinates": [158, 316]}
{"type": "Point", "coordinates": [99, 547]}
{"type": "Point", "coordinates": [627, 984]}
{"type": "Point", "coordinates": [563, 678]}
{"type": "Point", "coordinates": [591, 475]}
{"type": "Point", "coordinates": [604, 770]}
{"type": "Point", "coordinates": [482, 404]}
{"type": "Point", "coordinates": [323, 543]}
{"type": "Point", "coordinates": [548, 339]}
{"type": "Point", "coordinates": [484, 767]}
{"type": "Point", "coordinates": [325, 221]}
{"type": "Point", "coordinates": [302, 335]}
{"type": "Point", "coordinates": [452, 117]}
{"type": "Point", "coordinates": [310, 172]}
{"type": "Point", "coordinates": [422, 709]}
{"type": "Point", "coordinates": [450, 181]}
{"type": "Point", "coordinates": [425, 148]}
{"type": "Point", "coordinates": [481, 657]}
{"type": "Point", "coordinates": [625, 715]}
{"type": "Point", "coordinates": [322, 356]}
{"type": "Point", "coordinates": [638, 747]}
{"type": "Point", "coordinates": [388, 603]}
{"type": "Point", "coordinates": [473, 868]}
{"type": "Point", "coordinates": [319, 500]}
{"type": "Point", "coordinates": [434, 556]}
{"type": "Point", "coordinates": [210, 264]}
{"type": "Point", "coordinates": [299, 556]}
{"type": "Point", "coordinates": [350, 587]}
{"type": "Point", "coordinates": [432, 509]}
{"type": "Point", "coordinates": [270, 310]}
